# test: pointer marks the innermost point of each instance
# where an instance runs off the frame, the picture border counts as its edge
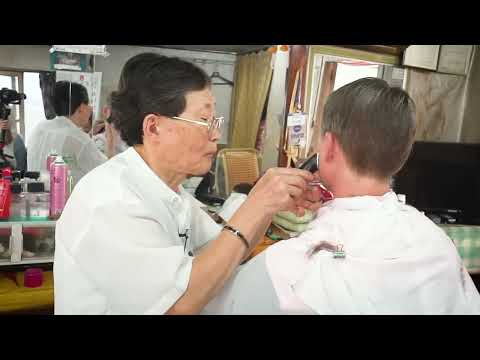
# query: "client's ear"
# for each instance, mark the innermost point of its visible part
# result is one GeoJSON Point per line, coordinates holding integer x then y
{"type": "Point", "coordinates": [329, 147]}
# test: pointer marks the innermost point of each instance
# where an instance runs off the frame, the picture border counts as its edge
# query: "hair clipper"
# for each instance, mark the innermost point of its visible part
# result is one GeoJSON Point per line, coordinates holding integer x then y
{"type": "Point", "coordinates": [312, 165]}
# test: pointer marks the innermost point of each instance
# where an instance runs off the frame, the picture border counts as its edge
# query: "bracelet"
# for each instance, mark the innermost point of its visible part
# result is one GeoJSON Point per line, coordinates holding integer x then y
{"type": "Point", "coordinates": [237, 233]}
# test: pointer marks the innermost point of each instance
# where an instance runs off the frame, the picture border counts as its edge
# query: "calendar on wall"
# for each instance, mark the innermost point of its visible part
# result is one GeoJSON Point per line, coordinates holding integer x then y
{"type": "Point", "coordinates": [91, 81]}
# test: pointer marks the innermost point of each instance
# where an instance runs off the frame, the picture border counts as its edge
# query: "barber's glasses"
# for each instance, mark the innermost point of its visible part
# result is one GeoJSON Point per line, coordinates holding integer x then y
{"type": "Point", "coordinates": [212, 124]}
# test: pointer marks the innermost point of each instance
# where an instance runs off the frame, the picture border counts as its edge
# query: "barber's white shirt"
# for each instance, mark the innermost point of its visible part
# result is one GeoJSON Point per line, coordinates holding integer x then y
{"type": "Point", "coordinates": [64, 137]}
{"type": "Point", "coordinates": [396, 261]}
{"type": "Point", "coordinates": [119, 248]}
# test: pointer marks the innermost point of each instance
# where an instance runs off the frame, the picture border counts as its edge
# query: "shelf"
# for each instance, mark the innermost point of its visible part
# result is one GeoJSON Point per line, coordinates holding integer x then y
{"type": "Point", "coordinates": [27, 261]}
{"type": "Point", "coordinates": [34, 223]}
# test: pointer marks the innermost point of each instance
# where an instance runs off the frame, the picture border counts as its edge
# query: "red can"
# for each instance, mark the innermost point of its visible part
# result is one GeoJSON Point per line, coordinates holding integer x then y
{"type": "Point", "coordinates": [50, 159]}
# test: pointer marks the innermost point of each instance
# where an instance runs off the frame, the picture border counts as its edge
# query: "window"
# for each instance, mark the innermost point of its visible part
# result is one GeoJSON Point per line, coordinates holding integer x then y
{"type": "Point", "coordinates": [24, 117]}
{"type": "Point", "coordinates": [34, 111]}
{"type": "Point", "coordinates": [330, 73]}
{"type": "Point", "coordinates": [349, 71]}
{"type": "Point", "coordinates": [13, 80]}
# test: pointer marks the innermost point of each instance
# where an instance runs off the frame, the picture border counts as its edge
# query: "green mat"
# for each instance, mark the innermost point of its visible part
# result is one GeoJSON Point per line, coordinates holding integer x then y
{"type": "Point", "coordinates": [467, 241]}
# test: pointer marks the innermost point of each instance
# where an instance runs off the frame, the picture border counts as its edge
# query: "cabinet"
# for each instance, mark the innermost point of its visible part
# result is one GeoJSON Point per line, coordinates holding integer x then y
{"type": "Point", "coordinates": [26, 242]}
{"type": "Point", "coordinates": [448, 59]}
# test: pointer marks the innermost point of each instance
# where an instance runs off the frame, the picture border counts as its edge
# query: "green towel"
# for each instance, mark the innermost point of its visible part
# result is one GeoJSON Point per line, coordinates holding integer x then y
{"type": "Point", "coordinates": [292, 218]}
{"type": "Point", "coordinates": [289, 225]}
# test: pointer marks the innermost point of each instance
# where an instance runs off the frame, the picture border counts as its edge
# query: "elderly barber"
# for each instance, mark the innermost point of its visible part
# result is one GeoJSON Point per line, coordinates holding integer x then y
{"type": "Point", "coordinates": [131, 240]}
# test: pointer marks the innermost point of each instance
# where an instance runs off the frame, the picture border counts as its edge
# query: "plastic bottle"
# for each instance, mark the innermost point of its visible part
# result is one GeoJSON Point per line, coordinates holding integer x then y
{"type": "Point", "coordinates": [58, 187]}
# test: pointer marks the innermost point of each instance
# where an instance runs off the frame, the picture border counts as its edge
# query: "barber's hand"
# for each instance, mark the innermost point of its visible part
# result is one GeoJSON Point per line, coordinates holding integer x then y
{"type": "Point", "coordinates": [111, 140]}
{"type": "Point", "coordinates": [312, 199]}
{"type": "Point", "coordinates": [4, 125]}
{"type": "Point", "coordinates": [281, 189]}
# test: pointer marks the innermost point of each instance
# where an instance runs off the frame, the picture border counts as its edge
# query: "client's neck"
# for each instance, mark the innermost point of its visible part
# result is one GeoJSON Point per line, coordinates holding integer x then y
{"type": "Point", "coordinates": [74, 119]}
{"type": "Point", "coordinates": [351, 184]}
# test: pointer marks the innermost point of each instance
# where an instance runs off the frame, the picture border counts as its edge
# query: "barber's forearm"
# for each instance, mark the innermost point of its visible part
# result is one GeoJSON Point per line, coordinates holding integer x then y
{"type": "Point", "coordinates": [8, 137]}
{"type": "Point", "coordinates": [210, 270]}
{"type": "Point", "coordinates": [259, 237]}
{"type": "Point", "coordinates": [216, 263]}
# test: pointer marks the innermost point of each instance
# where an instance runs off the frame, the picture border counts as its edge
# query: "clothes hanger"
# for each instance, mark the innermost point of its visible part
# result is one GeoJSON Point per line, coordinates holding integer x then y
{"type": "Point", "coordinates": [216, 75]}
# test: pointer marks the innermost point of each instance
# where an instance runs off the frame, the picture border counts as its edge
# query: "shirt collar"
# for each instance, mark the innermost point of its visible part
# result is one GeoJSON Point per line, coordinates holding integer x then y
{"type": "Point", "coordinates": [148, 181]}
{"type": "Point", "coordinates": [364, 202]}
{"type": "Point", "coordinates": [69, 123]}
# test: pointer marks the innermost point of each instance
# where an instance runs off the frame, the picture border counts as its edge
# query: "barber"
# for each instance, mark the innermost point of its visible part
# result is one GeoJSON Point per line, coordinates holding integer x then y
{"type": "Point", "coordinates": [131, 240]}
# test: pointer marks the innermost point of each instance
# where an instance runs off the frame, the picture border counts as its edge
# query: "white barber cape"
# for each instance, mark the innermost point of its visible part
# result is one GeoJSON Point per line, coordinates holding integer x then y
{"type": "Point", "coordinates": [120, 242]}
{"type": "Point", "coordinates": [63, 136]}
{"type": "Point", "coordinates": [396, 261]}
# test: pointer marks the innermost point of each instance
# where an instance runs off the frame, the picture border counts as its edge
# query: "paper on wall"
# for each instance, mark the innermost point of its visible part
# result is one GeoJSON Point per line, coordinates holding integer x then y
{"type": "Point", "coordinates": [297, 128]}
{"type": "Point", "coordinates": [82, 49]}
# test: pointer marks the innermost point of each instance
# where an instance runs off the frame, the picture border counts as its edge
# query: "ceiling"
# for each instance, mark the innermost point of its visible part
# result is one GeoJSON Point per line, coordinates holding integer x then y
{"type": "Point", "coordinates": [242, 49]}
{"type": "Point", "coordinates": [230, 49]}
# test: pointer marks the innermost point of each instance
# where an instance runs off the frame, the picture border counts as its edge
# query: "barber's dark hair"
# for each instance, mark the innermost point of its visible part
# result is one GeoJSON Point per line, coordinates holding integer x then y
{"type": "Point", "coordinates": [152, 83]}
{"type": "Point", "coordinates": [375, 125]}
{"type": "Point", "coordinates": [68, 97]}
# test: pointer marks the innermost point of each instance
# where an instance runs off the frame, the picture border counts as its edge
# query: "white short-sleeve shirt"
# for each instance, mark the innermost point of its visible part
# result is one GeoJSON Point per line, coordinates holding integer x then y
{"type": "Point", "coordinates": [120, 242]}
{"type": "Point", "coordinates": [65, 138]}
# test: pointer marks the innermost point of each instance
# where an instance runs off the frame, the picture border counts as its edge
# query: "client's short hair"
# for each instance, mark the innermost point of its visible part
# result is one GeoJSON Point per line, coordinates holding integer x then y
{"type": "Point", "coordinates": [68, 97]}
{"type": "Point", "coordinates": [374, 124]}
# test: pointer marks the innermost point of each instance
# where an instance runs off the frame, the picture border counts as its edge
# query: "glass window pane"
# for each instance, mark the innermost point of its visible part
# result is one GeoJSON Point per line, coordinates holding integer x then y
{"type": "Point", "coordinates": [5, 82]}
{"type": "Point", "coordinates": [33, 105]}
{"type": "Point", "coordinates": [347, 73]}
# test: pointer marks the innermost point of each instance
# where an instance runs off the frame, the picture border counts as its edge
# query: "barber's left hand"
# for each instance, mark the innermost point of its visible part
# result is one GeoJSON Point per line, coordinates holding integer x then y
{"type": "Point", "coordinates": [311, 199]}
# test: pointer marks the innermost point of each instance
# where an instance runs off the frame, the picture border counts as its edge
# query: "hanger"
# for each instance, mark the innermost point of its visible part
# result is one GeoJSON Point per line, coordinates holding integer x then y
{"type": "Point", "coordinates": [217, 75]}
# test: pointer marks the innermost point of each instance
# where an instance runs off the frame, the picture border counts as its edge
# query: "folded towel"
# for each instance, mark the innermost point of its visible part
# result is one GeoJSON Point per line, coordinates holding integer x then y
{"type": "Point", "coordinates": [291, 217]}
{"type": "Point", "coordinates": [289, 225]}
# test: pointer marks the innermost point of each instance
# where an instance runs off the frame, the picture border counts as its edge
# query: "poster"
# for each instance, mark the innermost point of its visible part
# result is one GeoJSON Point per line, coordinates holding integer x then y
{"type": "Point", "coordinates": [297, 129]}
{"type": "Point", "coordinates": [69, 61]}
{"type": "Point", "coordinates": [91, 81]}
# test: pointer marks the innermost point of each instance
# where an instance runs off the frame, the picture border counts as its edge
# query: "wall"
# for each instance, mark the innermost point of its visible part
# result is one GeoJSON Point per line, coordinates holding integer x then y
{"type": "Point", "coordinates": [471, 117]}
{"type": "Point", "coordinates": [111, 66]}
{"type": "Point", "coordinates": [24, 57]}
{"type": "Point", "coordinates": [37, 57]}
{"type": "Point", "coordinates": [439, 100]}
{"type": "Point", "coordinates": [275, 111]}
{"type": "Point", "coordinates": [447, 105]}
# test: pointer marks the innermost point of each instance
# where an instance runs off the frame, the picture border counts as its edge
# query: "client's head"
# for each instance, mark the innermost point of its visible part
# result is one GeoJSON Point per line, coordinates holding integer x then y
{"type": "Point", "coordinates": [71, 100]}
{"type": "Point", "coordinates": [367, 133]}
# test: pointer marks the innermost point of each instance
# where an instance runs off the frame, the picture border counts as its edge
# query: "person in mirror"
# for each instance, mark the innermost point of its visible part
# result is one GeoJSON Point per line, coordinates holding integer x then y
{"type": "Point", "coordinates": [106, 137]}
{"type": "Point", "coordinates": [131, 240]}
{"type": "Point", "coordinates": [65, 133]}
{"type": "Point", "coordinates": [14, 150]}
{"type": "Point", "coordinates": [366, 252]}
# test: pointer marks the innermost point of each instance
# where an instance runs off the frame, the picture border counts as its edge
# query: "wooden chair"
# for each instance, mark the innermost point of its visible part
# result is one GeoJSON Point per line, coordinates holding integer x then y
{"type": "Point", "coordinates": [235, 166]}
